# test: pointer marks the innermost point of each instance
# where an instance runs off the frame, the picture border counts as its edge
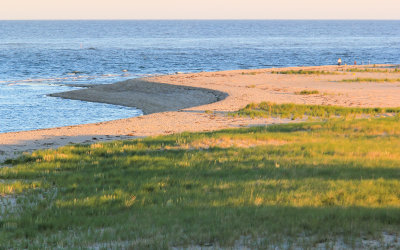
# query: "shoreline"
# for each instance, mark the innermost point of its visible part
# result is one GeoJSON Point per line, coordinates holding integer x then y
{"type": "Point", "coordinates": [199, 102]}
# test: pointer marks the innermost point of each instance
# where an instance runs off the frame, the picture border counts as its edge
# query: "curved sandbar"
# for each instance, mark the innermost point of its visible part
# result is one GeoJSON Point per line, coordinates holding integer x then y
{"type": "Point", "coordinates": [241, 86]}
{"type": "Point", "coordinates": [150, 97]}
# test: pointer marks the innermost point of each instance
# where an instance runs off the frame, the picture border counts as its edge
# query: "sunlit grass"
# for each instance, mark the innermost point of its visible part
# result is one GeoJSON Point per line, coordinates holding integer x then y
{"type": "Point", "coordinates": [358, 79]}
{"type": "Point", "coordinates": [16, 187]}
{"type": "Point", "coordinates": [363, 70]}
{"type": "Point", "coordinates": [324, 179]}
{"type": "Point", "coordinates": [252, 73]}
{"type": "Point", "coordinates": [305, 72]}
{"type": "Point", "coordinates": [307, 92]}
{"type": "Point", "coordinates": [295, 111]}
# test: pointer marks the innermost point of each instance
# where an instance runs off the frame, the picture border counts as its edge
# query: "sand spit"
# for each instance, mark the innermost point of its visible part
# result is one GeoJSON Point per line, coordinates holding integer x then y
{"type": "Point", "coordinates": [201, 101]}
{"type": "Point", "coordinates": [145, 95]}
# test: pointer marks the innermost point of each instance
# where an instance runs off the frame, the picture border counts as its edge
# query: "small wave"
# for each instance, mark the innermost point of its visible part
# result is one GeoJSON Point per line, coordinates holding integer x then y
{"type": "Point", "coordinates": [31, 84]}
{"type": "Point", "coordinates": [109, 75]}
{"type": "Point", "coordinates": [62, 80]}
{"type": "Point", "coordinates": [15, 44]}
{"type": "Point", "coordinates": [75, 72]}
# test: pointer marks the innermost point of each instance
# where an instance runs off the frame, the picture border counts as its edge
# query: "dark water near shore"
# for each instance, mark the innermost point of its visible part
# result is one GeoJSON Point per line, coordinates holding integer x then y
{"type": "Point", "coordinates": [41, 57]}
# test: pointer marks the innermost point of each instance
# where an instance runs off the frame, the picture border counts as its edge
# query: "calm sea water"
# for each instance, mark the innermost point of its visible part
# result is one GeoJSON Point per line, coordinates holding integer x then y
{"type": "Point", "coordinates": [42, 57]}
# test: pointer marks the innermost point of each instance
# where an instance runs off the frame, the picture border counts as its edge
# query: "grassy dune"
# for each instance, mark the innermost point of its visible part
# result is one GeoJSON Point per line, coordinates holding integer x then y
{"type": "Point", "coordinates": [295, 111]}
{"type": "Point", "coordinates": [283, 185]}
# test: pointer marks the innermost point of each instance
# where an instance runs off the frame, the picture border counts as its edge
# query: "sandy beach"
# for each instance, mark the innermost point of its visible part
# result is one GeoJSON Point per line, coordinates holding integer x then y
{"type": "Point", "coordinates": [201, 102]}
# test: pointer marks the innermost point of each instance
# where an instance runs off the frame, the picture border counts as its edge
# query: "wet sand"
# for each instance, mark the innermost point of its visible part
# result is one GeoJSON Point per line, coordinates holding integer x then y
{"type": "Point", "coordinates": [201, 102]}
{"type": "Point", "coordinates": [150, 97]}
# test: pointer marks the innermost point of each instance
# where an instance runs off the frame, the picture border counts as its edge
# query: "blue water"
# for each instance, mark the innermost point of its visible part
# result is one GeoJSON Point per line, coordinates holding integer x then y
{"type": "Point", "coordinates": [42, 57]}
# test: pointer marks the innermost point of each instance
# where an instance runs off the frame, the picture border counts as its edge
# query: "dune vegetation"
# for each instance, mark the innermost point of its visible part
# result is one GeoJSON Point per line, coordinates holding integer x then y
{"type": "Point", "coordinates": [307, 92]}
{"type": "Point", "coordinates": [374, 70]}
{"type": "Point", "coordinates": [302, 184]}
{"type": "Point", "coordinates": [298, 111]}
{"type": "Point", "coordinates": [305, 72]}
{"type": "Point", "coordinates": [380, 80]}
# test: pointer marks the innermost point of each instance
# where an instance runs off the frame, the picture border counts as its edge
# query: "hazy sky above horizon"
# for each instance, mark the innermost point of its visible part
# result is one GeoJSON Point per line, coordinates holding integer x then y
{"type": "Point", "coordinates": [199, 9]}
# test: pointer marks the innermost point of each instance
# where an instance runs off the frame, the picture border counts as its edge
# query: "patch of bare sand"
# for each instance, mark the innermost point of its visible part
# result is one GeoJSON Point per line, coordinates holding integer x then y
{"type": "Point", "coordinates": [385, 241]}
{"type": "Point", "coordinates": [196, 102]}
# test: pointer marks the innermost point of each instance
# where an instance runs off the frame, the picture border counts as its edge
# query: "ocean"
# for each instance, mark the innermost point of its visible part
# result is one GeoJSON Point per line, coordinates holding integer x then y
{"type": "Point", "coordinates": [42, 57]}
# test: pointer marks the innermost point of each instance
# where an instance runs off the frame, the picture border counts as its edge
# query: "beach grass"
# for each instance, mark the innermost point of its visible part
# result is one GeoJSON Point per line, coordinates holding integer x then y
{"type": "Point", "coordinates": [307, 92]}
{"type": "Point", "coordinates": [304, 72]}
{"type": "Point", "coordinates": [298, 111]}
{"type": "Point", "coordinates": [301, 184]}
{"type": "Point", "coordinates": [372, 70]}
{"type": "Point", "coordinates": [252, 73]}
{"type": "Point", "coordinates": [379, 80]}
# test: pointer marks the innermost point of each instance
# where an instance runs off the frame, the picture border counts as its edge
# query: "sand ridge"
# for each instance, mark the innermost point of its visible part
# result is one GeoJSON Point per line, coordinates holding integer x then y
{"type": "Point", "coordinates": [201, 101]}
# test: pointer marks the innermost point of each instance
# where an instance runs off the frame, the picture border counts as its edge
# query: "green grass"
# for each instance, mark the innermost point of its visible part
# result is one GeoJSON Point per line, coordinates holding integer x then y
{"type": "Point", "coordinates": [304, 72]}
{"type": "Point", "coordinates": [295, 111]}
{"type": "Point", "coordinates": [396, 70]}
{"type": "Point", "coordinates": [325, 180]}
{"type": "Point", "coordinates": [371, 80]}
{"type": "Point", "coordinates": [307, 92]}
{"type": "Point", "coordinates": [252, 73]}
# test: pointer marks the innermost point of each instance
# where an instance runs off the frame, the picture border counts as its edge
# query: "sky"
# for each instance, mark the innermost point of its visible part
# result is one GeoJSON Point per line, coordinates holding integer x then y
{"type": "Point", "coordinates": [199, 9]}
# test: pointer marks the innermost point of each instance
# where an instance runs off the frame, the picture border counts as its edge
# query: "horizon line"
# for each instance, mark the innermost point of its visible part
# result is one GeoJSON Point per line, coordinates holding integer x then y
{"type": "Point", "coordinates": [123, 19]}
{"type": "Point", "coordinates": [201, 19]}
